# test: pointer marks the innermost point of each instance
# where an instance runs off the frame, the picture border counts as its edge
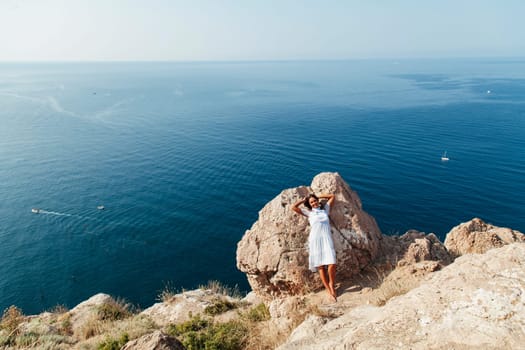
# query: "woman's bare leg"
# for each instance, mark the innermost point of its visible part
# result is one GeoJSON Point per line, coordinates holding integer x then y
{"type": "Point", "coordinates": [331, 280]}
{"type": "Point", "coordinates": [324, 278]}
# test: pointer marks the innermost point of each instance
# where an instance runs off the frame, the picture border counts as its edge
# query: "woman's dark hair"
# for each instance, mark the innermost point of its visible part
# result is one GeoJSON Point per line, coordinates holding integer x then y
{"type": "Point", "coordinates": [307, 201]}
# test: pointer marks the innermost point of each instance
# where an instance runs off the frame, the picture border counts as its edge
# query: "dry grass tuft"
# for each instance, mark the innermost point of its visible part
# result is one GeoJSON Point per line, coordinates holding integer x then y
{"type": "Point", "coordinates": [11, 319]}
{"type": "Point", "coordinates": [220, 288]}
{"type": "Point", "coordinates": [92, 327]}
{"type": "Point", "coordinates": [9, 326]}
{"type": "Point", "coordinates": [58, 309]}
{"type": "Point", "coordinates": [96, 333]}
{"type": "Point", "coordinates": [167, 293]}
{"type": "Point", "coordinates": [114, 310]}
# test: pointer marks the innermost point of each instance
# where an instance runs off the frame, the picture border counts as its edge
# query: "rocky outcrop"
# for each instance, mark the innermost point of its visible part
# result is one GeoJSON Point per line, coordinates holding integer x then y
{"type": "Point", "coordinates": [154, 341]}
{"type": "Point", "coordinates": [274, 254]}
{"type": "Point", "coordinates": [478, 302]}
{"type": "Point", "coordinates": [476, 236]}
{"type": "Point", "coordinates": [180, 307]}
{"type": "Point", "coordinates": [411, 255]}
{"type": "Point", "coordinates": [482, 295]}
{"type": "Point", "coordinates": [413, 247]}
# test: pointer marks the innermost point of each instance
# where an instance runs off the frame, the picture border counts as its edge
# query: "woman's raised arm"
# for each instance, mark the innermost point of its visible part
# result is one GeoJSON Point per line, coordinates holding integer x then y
{"type": "Point", "coordinates": [296, 208]}
{"type": "Point", "coordinates": [331, 198]}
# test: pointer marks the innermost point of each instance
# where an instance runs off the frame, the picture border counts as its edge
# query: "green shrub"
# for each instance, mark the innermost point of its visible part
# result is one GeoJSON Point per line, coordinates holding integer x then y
{"type": "Point", "coordinates": [194, 324]}
{"type": "Point", "coordinates": [113, 344]}
{"type": "Point", "coordinates": [226, 336]}
{"type": "Point", "coordinates": [219, 306]}
{"type": "Point", "coordinates": [202, 334]}
{"type": "Point", "coordinates": [258, 313]}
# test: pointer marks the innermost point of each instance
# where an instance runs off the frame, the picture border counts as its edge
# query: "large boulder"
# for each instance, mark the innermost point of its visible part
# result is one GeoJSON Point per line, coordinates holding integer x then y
{"type": "Point", "coordinates": [476, 236]}
{"type": "Point", "coordinates": [274, 252]}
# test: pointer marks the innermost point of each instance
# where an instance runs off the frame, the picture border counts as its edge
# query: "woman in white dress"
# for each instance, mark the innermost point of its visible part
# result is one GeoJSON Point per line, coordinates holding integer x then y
{"type": "Point", "coordinates": [320, 244]}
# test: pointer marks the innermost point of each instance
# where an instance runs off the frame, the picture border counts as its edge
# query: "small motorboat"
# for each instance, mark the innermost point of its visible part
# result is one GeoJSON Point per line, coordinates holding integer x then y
{"type": "Point", "coordinates": [35, 210]}
{"type": "Point", "coordinates": [101, 207]}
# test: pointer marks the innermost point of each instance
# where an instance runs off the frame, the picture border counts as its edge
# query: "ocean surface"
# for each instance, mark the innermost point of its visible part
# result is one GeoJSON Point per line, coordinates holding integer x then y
{"type": "Point", "coordinates": [184, 155]}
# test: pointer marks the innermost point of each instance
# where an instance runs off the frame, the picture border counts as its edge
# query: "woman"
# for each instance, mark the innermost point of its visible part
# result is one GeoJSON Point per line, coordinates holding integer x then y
{"type": "Point", "coordinates": [321, 246]}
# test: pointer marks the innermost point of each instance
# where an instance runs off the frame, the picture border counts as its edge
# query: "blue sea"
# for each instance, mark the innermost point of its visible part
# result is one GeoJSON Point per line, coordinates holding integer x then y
{"type": "Point", "coordinates": [183, 156]}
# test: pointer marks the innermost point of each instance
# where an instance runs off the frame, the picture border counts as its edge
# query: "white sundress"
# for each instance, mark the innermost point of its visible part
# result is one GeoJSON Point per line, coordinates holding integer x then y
{"type": "Point", "coordinates": [320, 243]}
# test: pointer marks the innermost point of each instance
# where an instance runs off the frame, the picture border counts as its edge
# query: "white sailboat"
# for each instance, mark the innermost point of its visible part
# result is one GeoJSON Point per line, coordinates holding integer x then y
{"type": "Point", "coordinates": [444, 157]}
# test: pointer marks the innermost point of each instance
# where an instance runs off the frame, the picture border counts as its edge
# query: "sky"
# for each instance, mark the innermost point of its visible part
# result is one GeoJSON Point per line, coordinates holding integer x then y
{"type": "Point", "coordinates": [240, 30]}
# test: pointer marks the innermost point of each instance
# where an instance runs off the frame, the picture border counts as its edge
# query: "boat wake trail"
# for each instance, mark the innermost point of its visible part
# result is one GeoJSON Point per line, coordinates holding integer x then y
{"type": "Point", "coordinates": [56, 213]}
{"type": "Point", "coordinates": [41, 211]}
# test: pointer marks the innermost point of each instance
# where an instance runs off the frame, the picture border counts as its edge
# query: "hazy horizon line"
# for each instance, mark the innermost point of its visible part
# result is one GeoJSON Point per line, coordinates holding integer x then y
{"type": "Point", "coordinates": [483, 57]}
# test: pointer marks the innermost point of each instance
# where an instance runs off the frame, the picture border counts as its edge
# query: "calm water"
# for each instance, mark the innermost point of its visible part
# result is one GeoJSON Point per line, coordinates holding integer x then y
{"type": "Point", "coordinates": [184, 155]}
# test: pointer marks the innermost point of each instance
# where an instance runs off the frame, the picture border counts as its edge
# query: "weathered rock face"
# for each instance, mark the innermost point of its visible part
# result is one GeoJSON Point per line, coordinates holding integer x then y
{"type": "Point", "coordinates": [274, 252]}
{"type": "Point", "coordinates": [477, 302]}
{"type": "Point", "coordinates": [476, 236]}
{"type": "Point", "coordinates": [284, 311]}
